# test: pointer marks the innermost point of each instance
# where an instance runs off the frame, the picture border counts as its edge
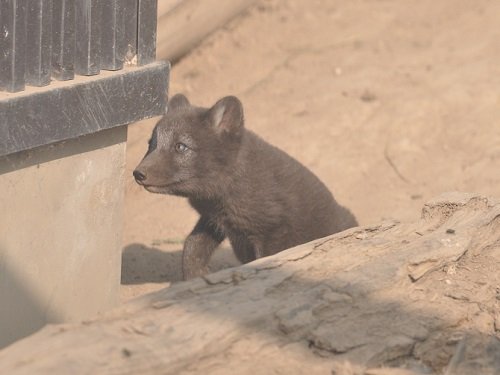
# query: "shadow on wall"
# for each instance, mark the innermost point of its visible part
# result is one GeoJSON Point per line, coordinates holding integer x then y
{"type": "Point", "coordinates": [142, 264]}
{"type": "Point", "coordinates": [21, 312]}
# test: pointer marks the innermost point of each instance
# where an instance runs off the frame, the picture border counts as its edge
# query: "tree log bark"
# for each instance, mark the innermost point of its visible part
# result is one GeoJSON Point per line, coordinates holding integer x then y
{"type": "Point", "coordinates": [395, 298]}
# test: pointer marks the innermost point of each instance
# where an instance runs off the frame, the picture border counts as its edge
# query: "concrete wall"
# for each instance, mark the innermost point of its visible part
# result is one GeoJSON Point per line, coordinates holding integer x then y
{"type": "Point", "coordinates": [60, 232]}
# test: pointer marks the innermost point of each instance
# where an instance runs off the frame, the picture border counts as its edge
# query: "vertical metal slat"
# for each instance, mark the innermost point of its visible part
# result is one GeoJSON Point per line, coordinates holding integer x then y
{"type": "Point", "coordinates": [146, 31]}
{"type": "Point", "coordinates": [38, 42]}
{"type": "Point", "coordinates": [112, 34]}
{"type": "Point", "coordinates": [12, 44]}
{"type": "Point", "coordinates": [88, 36]}
{"type": "Point", "coordinates": [63, 39]}
{"type": "Point", "coordinates": [130, 32]}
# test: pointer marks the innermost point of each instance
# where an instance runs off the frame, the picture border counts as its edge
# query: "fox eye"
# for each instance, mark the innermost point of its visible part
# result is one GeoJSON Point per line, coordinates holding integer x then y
{"type": "Point", "coordinates": [181, 147]}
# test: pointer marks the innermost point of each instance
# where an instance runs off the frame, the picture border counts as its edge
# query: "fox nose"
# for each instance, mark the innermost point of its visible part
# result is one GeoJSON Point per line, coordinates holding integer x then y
{"type": "Point", "coordinates": [139, 176]}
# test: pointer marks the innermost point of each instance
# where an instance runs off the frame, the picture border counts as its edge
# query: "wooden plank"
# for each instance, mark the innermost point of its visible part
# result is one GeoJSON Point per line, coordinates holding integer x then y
{"type": "Point", "coordinates": [130, 18]}
{"type": "Point", "coordinates": [13, 45]}
{"type": "Point", "coordinates": [63, 39]}
{"type": "Point", "coordinates": [83, 106]}
{"type": "Point", "coordinates": [39, 42]}
{"type": "Point", "coordinates": [113, 28]}
{"type": "Point", "coordinates": [146, 31]}
{"type": "Point", "coordinates": [88, 36]}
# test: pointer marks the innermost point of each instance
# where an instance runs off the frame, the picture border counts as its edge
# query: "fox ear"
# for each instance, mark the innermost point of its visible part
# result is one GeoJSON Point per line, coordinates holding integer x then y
{"type": "Point", "coordinates": [177, 101]}
{"type": "Point", "coordinates": [226, 116]}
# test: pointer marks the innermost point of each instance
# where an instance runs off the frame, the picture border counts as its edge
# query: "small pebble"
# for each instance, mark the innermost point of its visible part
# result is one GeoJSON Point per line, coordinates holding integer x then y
{"type": "Point", "coordinates": [368, 96]}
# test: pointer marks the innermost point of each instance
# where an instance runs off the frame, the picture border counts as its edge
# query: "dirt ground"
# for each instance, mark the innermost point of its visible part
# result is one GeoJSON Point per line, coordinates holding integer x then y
{"type": "Point", "coordinates": [389, 102]}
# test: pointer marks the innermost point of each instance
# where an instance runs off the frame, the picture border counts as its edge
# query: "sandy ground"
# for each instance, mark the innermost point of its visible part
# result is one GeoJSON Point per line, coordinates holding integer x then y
{"type": "Point", "coordinates": [389, 102]}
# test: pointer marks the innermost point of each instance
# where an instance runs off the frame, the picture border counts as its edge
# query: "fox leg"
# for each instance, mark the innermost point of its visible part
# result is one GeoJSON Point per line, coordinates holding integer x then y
{"type": "Point", "coordinates": [199, 247]}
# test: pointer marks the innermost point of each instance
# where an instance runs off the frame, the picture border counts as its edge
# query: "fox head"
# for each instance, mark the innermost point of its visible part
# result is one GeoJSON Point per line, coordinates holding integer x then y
{"type": "Point", "coordinates": [192, 150]}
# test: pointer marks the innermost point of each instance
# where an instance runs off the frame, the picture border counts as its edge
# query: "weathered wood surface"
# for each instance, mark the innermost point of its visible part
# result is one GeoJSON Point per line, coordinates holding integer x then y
{"type": "Point", "coordinates": [394, 298]}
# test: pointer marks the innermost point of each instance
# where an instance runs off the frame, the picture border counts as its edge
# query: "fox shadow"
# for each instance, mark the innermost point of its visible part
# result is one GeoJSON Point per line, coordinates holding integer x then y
{"type": "Point", "coordinates": [143, 264]}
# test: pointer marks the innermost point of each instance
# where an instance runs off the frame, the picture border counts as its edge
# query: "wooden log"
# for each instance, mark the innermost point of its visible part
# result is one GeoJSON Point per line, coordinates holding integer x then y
{"type": "Point", "coordinates": [395, 298]}
{"type": "Point", "coordinates": [182, 24]}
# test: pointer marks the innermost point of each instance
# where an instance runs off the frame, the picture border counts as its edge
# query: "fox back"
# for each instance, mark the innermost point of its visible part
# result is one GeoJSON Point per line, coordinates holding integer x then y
{"type": "Point", "coordinates": [244, 189]}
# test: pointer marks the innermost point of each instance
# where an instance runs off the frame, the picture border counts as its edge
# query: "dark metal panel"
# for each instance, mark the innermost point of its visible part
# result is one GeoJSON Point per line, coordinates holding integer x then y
{"type": "Point", "coordinates": [113, 46]}
{"type": "Point", "coordinates": [38, 42]}
{"type": "Point", "coordinates": [63, 39]}
{"type": "Point", "coordinates": [88, 36]}
{"type": "Point", "coordinates": [130, 17]}
{"type": "Point", "coordinates": [50, 114]}
{"type": "Point", "coordinates": [12, 44]}
{"type": "Point", "coordinates": [146, 32]}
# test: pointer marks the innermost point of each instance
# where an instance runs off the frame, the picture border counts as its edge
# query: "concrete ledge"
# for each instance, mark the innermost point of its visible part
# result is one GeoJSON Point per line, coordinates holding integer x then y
{"type": "Point", "coordinates": [69, 109]}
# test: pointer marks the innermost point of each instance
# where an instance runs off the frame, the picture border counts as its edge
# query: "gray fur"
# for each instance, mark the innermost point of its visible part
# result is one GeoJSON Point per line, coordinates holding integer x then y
{"type": "Point", "coordinates": [244, 189]}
